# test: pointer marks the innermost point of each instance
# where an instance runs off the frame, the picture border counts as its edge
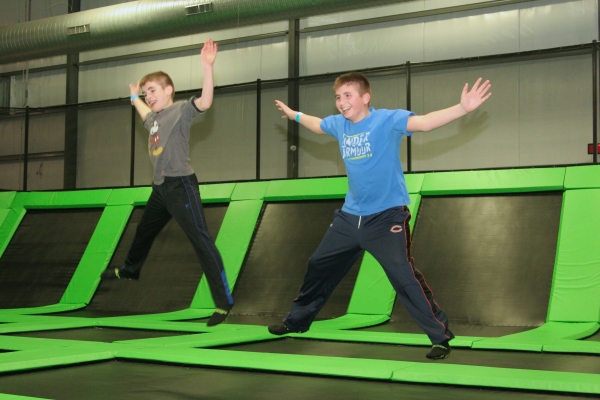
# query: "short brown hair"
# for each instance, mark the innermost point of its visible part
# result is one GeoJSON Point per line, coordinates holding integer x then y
{"type": "Point", "coordinates": [161, 78]}
{"type": "Point", "coordinates": [360, 80]}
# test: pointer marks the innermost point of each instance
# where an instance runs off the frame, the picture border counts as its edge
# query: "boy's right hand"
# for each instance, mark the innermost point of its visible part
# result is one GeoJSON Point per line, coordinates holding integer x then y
{"type": "Point", "coordinates": [134, 89]}
{"type": "Point", "coordinates": [289, 113]}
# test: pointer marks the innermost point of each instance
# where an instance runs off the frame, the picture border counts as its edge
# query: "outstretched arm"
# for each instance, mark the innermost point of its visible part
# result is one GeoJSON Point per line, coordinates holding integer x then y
{"type": "Point", "coordinates": [139, 104]}
{"type": "Point", "coordinates": [308, 121]}
{"type": "Point", "coordinates": [208, 54]}
{"type": "Point", "coordinates": [469, 101]}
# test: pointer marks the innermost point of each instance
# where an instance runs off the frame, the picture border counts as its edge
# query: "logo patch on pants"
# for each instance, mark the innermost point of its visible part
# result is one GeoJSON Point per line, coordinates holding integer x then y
{"type": "Point", "coordinates": [396, 229]}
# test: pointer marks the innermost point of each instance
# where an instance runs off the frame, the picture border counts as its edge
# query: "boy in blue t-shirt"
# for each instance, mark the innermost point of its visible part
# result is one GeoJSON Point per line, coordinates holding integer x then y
{"type": "Point", "coordinates": [375, 215]}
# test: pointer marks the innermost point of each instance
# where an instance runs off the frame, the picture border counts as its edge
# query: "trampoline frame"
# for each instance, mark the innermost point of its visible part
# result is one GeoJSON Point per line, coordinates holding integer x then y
{"type": "Point", "coordinates": [573, 311]}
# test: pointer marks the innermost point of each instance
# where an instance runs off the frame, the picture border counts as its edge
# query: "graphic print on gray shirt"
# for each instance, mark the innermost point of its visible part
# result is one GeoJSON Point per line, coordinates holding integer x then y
{"type": "Point", "coordinates": [168, 141]}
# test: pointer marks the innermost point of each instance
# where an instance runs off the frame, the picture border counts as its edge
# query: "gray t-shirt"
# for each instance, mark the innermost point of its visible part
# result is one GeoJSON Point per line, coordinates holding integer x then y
{"type": "Point", "coordinates": [168, 142]}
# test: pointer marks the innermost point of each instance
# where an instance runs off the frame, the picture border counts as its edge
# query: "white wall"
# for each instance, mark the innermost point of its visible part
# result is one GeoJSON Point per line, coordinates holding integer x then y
{"type": "Point", "coordinates": [539, 114]}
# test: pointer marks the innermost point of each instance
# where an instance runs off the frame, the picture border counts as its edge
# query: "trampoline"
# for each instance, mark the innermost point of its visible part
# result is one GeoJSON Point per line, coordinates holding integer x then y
{"type": "Point", "coordinates": [171, 264]}
{"type": "Point", "coordinates": [508, 254]}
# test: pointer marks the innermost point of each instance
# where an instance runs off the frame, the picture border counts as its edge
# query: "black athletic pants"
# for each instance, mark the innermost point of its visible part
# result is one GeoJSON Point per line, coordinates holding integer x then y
{"type": "Point", "coordinates": [179, 197]}
{"type": "Point", "coordinates": [386, 235]}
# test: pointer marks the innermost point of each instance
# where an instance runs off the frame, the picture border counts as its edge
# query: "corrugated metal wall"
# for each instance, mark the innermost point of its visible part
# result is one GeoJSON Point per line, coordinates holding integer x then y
{"type": "Point", "coordinates": [540, 112]}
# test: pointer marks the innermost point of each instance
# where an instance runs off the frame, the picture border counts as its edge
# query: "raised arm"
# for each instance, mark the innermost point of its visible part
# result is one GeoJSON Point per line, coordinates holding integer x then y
{"type": "Point", "coordinates": [208, 54]}
{"type": "Point", "coordinates": [139, 104]}
{"type": "Point", "coordinates": [308, 121]}
{"type": "Point", "coordinates": [469, 101]}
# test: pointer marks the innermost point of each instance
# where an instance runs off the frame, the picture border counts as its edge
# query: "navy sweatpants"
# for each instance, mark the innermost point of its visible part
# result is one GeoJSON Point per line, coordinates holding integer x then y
{"type": "Point", "coordinates": [179, 197]}
{"type": "Point", "coordinates": [386, 235]}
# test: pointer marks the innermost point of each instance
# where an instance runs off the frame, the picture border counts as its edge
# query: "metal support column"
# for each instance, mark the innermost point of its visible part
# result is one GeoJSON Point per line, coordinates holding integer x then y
{"type": "Point", "coordinates": [258, 122]}
{"type": "Point", "coordinates": [408, 107]}
{"type": "Point", "coordinates": [71, 113]}
{"type": "Point", "coordinates": [595, 100]}
{"type": "Point", "coordinates": [132, 150]}
{"type": "Point", "coordinates": [293, 96]}
{"type": "Point", "coordinates": [26, 149]}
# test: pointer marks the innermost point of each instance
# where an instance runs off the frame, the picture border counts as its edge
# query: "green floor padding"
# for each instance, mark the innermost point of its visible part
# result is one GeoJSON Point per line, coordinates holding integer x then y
{"type": "Point", "coordinates": [307, 189]}
{"type": "Point", "coordinates": [583, 177]}
{"type": "Point", "coordinates": [6, 199]}
{"type": "Point", "coordinates": [499, 378]}
{"type": "Point", "coordinates": [122, 197]}
{"type": "Point", "coordinates": [249, 191]}
{"type": "Point", "coordinates": [331, 366]}
{"type": "Point", "coordinates": [131, 323]}
{"type": "Point", "coordinates": [217, 193]}
{"type": "Point", "coordinates": [29, 343]}
{"type": "Point", "coordinates": [414, 182]}
{"type": "Point", "coordinates": [575, 290]}
{"type": "Point", "coordinates": [409, 339]}
{"type": "Point", "coordinates": [3, 214]}
{"type": "Point", "coordinates": [142, 196]}
{"type": "Point", "coordinates": [9, 226]}
{"type": "Point", "coordinates": [55, 356]}
{"type": "Point", "coordinates": [373, 292]}
{"type": "Point", "coordinates": [54, 308]}
{"type": "Point", "coordinates": [573, 311]}
{"type": "Point", "coordinates": [534, 340]}
{"type": "Point", "coordinates": [69, 323]}
{"type": "Point", "coordinates": [180, 315]}
{"type": "Point", "coordinates": [426, 372]}
{"type": "Point", "coordinates": [97, 255]}
{"type": "Point", "coordinates": [572, 346]}
{"type": "Point", "coordinates": [13, 397]}
{"type": "Point", "coordinates": [76, 199]}
{"type": "Point", "coordinates": [219, 336]}
{"type": "Point", "coordinates": [233, 240]}
{"type": "Point", "coordinates": [499, 181]}
{"type": "Point", "coordinates": [350, 321]}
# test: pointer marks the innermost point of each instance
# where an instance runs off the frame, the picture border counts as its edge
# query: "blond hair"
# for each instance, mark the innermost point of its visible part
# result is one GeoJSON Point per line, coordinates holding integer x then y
{"type": "Point", "coordinates": [360, 80]}
{"type": "Point", "coordinates": [161, 78]}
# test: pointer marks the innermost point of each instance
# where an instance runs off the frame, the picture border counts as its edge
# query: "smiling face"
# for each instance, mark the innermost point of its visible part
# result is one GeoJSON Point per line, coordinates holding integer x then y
{"type": "Point", "coordinates": [353, 106]}
{"type": "Point", "coordinates": [157, 97]}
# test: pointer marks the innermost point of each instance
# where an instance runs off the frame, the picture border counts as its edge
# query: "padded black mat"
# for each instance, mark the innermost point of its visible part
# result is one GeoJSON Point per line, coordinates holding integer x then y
{"type": "Point", "coordinates": [489, 260]}
{"type": "Point", "coordinates": [97, 334]}
{"type": "Point", "coordinates": [287, 235]}
{"type": "Point", "coordinates": [43, 254]}
{"type": "Point", "coordinates": [168, 279]}
{"type": "Point", "coordinates": [130, 380]}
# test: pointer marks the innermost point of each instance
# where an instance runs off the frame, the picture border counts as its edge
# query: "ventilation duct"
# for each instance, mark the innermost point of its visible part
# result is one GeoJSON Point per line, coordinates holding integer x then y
{"type": "Point", "coordinates": [145, 20]}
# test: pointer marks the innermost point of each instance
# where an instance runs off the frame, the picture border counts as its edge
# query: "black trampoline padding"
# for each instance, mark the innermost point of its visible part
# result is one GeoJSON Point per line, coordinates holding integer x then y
{"type": "Point", "coordinates": [487, 358]}
{"type": "Point", "coordinates": [169, 277]}
{"type": "Point", "coordinates": [131, 380]}
{"type": "Point", "coordinates": [97, 334]}
{"type": "Point", "coordinates": [287, 235]}
{"type": "Point", "coordinates": [489, 260]}
{"type": "Point", "coordinates": [43, 254]}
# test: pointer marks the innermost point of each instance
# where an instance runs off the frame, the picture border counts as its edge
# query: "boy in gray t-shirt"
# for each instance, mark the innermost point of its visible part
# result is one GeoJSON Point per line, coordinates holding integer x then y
{"type": "Point", "coordinates": [175, 190]}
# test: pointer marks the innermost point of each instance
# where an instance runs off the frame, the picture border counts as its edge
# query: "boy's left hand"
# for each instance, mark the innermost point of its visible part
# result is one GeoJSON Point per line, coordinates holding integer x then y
{"type": "Point", "coordinates": [470, 100]}
{"type": "Point", "coordinates": [208, 54]}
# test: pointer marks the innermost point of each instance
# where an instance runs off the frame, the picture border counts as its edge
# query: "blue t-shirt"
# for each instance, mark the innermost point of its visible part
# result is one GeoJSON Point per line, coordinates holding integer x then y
{"type": "Point", "coordinates": [371, 151]}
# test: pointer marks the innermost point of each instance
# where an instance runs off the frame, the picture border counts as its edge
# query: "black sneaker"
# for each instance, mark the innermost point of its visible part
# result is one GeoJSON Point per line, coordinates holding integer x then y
{"type": "Point", "coordinates": [439, 351]}
{"type": "Point", "coordinates": [279, 330]}
{"type": "Point", "coordinates": [118, 273]}
{"type": "Point", "coordinates": [218, 316]}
